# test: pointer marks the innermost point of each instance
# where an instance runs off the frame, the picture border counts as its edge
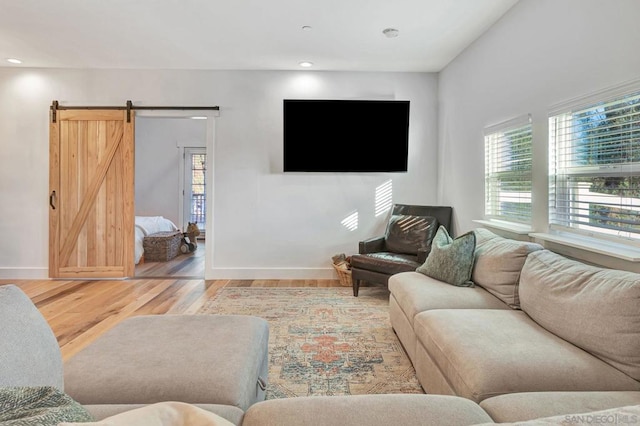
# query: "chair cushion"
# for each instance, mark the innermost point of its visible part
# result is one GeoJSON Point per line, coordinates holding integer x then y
{"type": "Point", "coordinates": [407, 233]}
{"type": "Point", "coordinates": [488, 352]}
{"type": "Point", "coordinates": [385, 262]}
{"type": "Point", "coordinates": [498, 264]}
{"type": "Point", "coordinates": [451, 260]}
{"type": "Point", "coordinates": [594, 308]}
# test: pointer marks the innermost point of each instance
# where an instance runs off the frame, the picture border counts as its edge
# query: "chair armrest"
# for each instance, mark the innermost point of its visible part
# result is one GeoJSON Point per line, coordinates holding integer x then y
{"type": "Point", "coordinates": [423, 254]}
{"type": "Point", "coordinates": [371, 245]}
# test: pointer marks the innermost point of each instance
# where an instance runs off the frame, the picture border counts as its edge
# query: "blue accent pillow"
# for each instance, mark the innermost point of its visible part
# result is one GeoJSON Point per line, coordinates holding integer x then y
{"type": "Point", "coordinates": [451, 260]}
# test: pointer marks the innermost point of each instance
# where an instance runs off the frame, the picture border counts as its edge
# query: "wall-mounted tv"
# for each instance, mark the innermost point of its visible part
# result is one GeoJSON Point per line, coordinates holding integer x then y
{"type": "Point", "coordinates": [322, 135]}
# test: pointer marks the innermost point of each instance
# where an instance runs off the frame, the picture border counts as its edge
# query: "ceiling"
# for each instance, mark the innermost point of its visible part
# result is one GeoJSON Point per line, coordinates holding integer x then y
{"type": "Point", "coordinates": [345, 35]}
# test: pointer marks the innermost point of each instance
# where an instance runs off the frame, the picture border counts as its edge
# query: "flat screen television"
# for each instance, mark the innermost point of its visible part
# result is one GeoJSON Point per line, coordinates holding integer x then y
{"type": "Point", "coordinates": [346, 135]}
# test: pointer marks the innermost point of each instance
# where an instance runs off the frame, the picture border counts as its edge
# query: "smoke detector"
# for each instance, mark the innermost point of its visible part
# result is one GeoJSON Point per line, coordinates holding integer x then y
{"type": "Point", "coordinates": [390, 32]}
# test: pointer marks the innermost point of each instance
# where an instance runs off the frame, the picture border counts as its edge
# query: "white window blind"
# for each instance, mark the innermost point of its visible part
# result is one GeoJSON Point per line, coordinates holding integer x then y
{"type": "Point", "coordinates": [594, 166]}
{"type": "Point", "coordinates": [508, 171]}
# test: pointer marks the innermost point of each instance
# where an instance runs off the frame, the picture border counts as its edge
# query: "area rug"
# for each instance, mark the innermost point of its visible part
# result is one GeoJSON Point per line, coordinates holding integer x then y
{"type": "Point", "coordinates": [324, 341]}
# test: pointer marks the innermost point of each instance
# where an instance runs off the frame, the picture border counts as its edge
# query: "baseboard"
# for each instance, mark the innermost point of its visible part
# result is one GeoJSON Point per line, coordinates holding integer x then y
{"type": "Point", "coordinates": [33, 273]}
{"type": "Point", "coordinates": [271, 274]}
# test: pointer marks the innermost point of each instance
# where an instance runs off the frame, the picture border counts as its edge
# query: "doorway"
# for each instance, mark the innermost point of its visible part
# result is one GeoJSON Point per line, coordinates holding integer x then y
{"type": "Point", "coordinates": [175, 184]}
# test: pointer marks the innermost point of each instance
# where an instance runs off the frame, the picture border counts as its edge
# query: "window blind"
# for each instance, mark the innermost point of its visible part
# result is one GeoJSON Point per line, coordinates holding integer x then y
{"type": "Point", "coordinates": [508, 170]}
{"type": "Point", "coordinates": [594, 184]}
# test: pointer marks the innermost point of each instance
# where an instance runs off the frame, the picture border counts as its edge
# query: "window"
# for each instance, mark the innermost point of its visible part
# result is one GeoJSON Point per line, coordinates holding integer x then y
{"type": "Point", "coordinates": [594, 165]}
{"type": "Point", "coordinates": [508, 171]}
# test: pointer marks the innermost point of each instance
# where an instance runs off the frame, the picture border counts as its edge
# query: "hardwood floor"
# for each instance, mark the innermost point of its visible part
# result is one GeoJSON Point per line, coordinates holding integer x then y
{"type": "Point", "coordinates": [190, 265]}
{"type": "Point", "coordinates": [80, 311]}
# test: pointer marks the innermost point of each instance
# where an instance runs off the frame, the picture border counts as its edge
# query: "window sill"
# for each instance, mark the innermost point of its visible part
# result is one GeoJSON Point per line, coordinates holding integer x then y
{"type": "Point", "coordinates": [505, 226]}
{"type": "Point", "coordinates": [607, 248]}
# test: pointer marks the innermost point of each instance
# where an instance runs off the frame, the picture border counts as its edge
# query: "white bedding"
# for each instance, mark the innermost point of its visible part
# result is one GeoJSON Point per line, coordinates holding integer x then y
{"type": "Point", "coordinates": [146, 225]}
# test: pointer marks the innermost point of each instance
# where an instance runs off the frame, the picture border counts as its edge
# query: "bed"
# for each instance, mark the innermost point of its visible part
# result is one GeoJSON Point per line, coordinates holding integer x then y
{"type": "Point", "coordinates": [146, 225]}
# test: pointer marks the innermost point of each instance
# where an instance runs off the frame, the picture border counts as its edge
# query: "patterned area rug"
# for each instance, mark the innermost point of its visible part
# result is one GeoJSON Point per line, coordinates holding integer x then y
{"type": "Point", "coordinates": [324, 341]}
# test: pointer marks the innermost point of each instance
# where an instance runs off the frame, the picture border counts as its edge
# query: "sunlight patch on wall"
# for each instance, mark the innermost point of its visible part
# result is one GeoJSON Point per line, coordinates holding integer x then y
{"type": "Point", "coordinates": [351, 222]}
{"type": "Point", "coordinates": [384, 197]}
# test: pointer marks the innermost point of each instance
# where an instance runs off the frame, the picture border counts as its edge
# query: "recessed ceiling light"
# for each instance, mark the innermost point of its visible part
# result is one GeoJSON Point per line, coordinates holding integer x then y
{"type": "Point", "coordinates": [14, 61]}
{"type": "Point", "coordinates": [305, 64]}
{"type": "Point", "coordinates": [306, 28]}
{"type": "Point", "coordinates": [198, 117]}
{"type": "Point", "coordinates": [390, 32]}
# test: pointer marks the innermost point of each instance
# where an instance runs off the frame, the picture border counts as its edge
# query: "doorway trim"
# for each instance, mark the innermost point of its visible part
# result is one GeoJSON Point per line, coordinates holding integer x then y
{"type": "Point", "coordinates": [211, 116]}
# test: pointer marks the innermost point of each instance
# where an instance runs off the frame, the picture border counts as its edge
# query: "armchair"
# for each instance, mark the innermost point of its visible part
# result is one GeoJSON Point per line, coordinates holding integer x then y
{"type": "Point", "coordinates": [404, 247]}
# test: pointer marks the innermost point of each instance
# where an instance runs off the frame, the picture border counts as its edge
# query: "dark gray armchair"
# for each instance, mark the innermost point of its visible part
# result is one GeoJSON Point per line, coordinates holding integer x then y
{"type": "Point", "coordinates": [404, 246]}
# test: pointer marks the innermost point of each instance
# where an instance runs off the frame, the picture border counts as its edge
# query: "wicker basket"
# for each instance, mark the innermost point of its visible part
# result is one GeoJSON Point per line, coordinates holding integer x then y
{"type": "Point", "coordinates": [344, 275]}
{"type": "Point", "coordinates": [161, 246]}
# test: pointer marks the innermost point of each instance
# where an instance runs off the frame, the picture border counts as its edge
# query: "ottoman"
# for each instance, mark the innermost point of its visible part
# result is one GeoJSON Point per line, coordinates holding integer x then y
{"type": "Point", "coordinates": [198, 359]}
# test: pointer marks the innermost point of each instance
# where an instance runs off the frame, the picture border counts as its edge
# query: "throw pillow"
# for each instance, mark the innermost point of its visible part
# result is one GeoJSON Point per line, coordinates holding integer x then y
{"type": "Point", "coordinates": [169, 413]}
{"type": "Point", "coordinates": [39, 405]}
{"type": "Point", "coordinates": [407, 234]}
{"type": "Point", "coordinates": [451, 260]}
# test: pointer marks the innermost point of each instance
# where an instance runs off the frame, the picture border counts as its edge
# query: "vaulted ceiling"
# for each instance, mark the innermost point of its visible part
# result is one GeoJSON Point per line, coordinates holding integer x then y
{"type": "Point", "coordinates": [343, 35]}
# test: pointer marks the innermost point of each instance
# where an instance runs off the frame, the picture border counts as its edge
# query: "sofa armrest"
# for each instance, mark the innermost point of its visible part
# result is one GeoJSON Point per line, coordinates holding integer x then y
{"type": "Point", "coordinates": [371, 245]}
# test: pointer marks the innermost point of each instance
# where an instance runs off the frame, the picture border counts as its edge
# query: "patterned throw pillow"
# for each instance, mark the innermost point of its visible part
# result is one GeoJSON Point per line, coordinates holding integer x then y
{"type": "Point", "coordinates": [451, 260]}
{"type": "Point", "coordinates": [40, 405]}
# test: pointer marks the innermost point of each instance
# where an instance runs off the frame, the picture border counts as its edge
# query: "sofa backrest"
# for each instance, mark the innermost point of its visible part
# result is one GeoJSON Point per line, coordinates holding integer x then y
{"type": "Point", "coordinates": [594, 308]}
{"type": "Point", "coordinates": [498, 264]}
{"type": "Point", "coordinates": [29, 351]}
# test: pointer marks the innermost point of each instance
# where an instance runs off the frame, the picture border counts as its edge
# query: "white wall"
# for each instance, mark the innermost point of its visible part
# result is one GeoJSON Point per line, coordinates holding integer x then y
{"type": "Point", "coordinates": [542, 52]}
{"type": "Point", "coordinates": [266, 224]}
{"type": "Point", "coordinates": [160, 143]}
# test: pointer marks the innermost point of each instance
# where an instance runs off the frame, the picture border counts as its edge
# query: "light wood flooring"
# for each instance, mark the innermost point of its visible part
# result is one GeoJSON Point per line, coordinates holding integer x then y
{"type": "Point", "coordinates": [189, 265]}
{"type": "Point", "coordinates": [80, 311]}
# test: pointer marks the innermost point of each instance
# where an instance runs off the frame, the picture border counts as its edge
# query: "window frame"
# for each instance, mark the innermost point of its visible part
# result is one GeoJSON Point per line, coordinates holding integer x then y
{"type": "Point", "coordinates": [563, 148]}
{"type": "Point", "coordinates": [494, 161]}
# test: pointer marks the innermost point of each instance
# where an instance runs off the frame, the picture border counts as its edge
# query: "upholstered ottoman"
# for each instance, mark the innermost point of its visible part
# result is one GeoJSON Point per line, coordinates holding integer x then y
{"type": "Point", "coordinates": [210, 359]}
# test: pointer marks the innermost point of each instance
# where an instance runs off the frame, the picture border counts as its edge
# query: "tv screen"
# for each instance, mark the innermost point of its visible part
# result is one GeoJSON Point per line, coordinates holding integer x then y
{"type": "Point", "coordinates": [346, 135]}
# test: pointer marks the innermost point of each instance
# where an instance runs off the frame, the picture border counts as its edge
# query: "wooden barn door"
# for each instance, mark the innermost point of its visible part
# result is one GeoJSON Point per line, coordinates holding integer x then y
{"type": "Point", "coordinates": [91, 213]}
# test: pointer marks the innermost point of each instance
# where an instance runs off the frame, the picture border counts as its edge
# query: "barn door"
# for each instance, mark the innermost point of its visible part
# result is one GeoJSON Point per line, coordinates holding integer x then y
{"type": "Point", "coordinates": [91, 189]}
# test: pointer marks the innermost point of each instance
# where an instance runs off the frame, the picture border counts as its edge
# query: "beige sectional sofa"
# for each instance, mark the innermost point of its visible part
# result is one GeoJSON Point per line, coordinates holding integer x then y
{"type": "Point", "coordinates": [534, 322]}
{"type": "Point", "coordinates": [539, 338]}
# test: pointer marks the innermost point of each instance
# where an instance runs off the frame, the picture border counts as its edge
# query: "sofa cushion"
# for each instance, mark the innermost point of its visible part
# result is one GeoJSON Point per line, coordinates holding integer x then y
{"type": "Point", "coordinates": [594, 308]}
{"type": "Point", "coordinates": [417, 293]}
{"type": "Point", "coordinates": [166, 413]}
{"type": "Point", "coordinates": [29, 351]}
{"type": "Point", "coordinates": [516, 407]}
{"type": "Point", "coordinates": [498, 264]}
{"type": "Point", "coordinates": [621, 415]}
{"type": "Point", "coordinates": [450, 260]}
{"type": "Point", "coordinates": [407, 233]}
{"type": "Point", "coordinates": [103, 411]}
{"type": "Point", "coordinates": [39, 405]}
{"type": "Point", "coordinates": [370, 410]}
{"type": "Point", "coordinates": [488, 352]}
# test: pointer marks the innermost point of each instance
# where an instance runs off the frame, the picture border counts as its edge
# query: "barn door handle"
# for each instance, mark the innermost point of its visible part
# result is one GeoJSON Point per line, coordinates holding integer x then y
{"type": "Point", "coordinates": [52, 199]}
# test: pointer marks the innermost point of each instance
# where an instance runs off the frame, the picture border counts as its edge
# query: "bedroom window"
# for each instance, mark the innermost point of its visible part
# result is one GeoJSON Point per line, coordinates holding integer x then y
{"type": "Point", "coordinates": [594, 165]}
{"type": "Point", "coordinates": [195, 186]}
{"type": "Point", "coordinates": [508, 171]}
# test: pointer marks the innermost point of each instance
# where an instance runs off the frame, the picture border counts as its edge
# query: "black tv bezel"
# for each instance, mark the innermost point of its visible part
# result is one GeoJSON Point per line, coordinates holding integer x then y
{"type": "Point", "coordinates": [402, 169]}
